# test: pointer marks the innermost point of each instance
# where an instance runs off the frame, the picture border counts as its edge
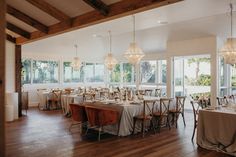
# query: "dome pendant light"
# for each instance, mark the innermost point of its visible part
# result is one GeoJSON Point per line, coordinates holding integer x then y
{"type": "Point", "coordinates": [134, 54]}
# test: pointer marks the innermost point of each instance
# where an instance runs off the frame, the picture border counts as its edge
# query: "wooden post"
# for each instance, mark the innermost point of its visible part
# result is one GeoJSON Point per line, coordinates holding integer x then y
{"type": "Point", "coordinates": [2, 76]}
{"type": "Point", "coordinates": [18, 67]}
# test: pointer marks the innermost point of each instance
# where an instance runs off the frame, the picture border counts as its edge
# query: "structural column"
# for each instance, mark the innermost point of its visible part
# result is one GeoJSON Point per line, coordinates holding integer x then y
{"type": "Point", "coordinates": [18, 67]}
{"type": "Point", "coordinates": [2, 76]}
{"type": "Point", "coordinates": [169, 76]}
{"type": "Point", "coordinates": [214, 78]}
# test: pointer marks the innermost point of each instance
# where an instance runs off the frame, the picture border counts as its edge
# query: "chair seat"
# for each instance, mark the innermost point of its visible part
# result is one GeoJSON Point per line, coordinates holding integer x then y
{"type": "Point", "coordinates": [174, 111]}
{"type": "Point", "coordinates": [147, 117]}
{"type": "Point", "coordinates": [157, 114]}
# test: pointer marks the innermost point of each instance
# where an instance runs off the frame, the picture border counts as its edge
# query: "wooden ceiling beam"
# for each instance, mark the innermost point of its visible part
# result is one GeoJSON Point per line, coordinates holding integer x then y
{"type": "Point", "coordinates": [99, 6]}
{"type": "Point", "coordinates": [117, 10]}
{"type": "Point", "coordinates": [26, 19]}
{"type": "Point", "coordinates": [18, 30]}
{"type": "Point", "coordinates": [11, 38]}
{"type": "Point", "coordinates": [49, 9]}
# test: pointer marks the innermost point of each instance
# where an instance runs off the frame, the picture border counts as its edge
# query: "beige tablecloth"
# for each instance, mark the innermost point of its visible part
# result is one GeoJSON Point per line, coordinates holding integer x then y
{"type": "Point", "coordinates": [217, 130]}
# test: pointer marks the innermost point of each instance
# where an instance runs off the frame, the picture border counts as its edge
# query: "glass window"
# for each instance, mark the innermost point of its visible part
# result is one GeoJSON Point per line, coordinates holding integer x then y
{"type": "Point", "coordinates": [115, 75]}
{"type": "Point", "coordinates": [127, 72]}
{"type": "Point", "coordinates": [233, 76]}
{"type": "Point", "coordinates": [99, 72]}
{"type": "Point", "coordinates": [88, 69]}
{"type": "Point", "coordinates": [71, 75]}
{"type": "Point", "coordinates": [45, 72]}
{"type": "Point", "coordinates": [148, 71]}
{"type": "Point", "coordinates": [26, 71]}
{"type": "Point", "coordinates": [162, 71]}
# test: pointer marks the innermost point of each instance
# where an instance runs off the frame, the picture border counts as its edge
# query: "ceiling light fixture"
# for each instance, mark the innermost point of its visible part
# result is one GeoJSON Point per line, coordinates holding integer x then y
{"type": "Point", "coordinates": [229, 49]}
{"type": "Point", "coordinates": [110, 61]}
{"type": "Point", "coordinates": [76, 62]}
{"type": "Point", "coordinates": [134, 54]}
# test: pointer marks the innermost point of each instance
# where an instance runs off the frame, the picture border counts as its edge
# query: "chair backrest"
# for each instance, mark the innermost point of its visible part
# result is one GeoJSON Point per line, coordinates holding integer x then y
{"type": "Point", "coordinates": [222, 100]}
{"type": "Point", "coordinates": [180, 101]}
{"type": "Point", "coordinates": [101, 116]}
{"type": "Point", "coordinates": [148, 92]}
{"type": "Point", "coordinates": [148, 106]}
{"type": "Point", "coordinates": [164, 106]}
{"type": "Point", "coordinates": [78, 113]}
{"type": "Point", "coordinates": [157, 92]}
{"type": "Point", "coordinates": [196, 107]}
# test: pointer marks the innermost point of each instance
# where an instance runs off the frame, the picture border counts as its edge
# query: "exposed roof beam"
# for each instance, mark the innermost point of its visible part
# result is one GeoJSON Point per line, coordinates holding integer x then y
{"type": "Point", "coordinates": [49, 9]}
{"type": "Point", "coordinates": [18, 30]}
{"type": "Point", "coordinates": [98, 5]}
{"type": "Point", "coordinates": [11, 38]}
{"type": "Point", "coordinates": [28, 20]}
{"type": "Point", "coordinates": [117, 10]}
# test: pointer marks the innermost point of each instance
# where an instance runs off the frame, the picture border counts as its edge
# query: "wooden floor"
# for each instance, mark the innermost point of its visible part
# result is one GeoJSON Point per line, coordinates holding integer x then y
{"type": "Point", "coordinates": [45, 134]}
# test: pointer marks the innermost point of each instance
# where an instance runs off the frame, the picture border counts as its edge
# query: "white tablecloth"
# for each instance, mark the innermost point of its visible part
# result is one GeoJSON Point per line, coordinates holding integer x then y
{"type": "Point", "coordinates": [217, 130]}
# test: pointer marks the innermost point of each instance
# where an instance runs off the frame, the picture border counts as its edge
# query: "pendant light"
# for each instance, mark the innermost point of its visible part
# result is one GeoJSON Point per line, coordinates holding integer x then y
{"type": "Point", "coordinates": [229, 49]}
{"type": "Point", "coordinates": [76, 62]}
{"type": "Point", "coordinates": [110, 61]}
{"type": "Point", "coordinates": [134, 54]}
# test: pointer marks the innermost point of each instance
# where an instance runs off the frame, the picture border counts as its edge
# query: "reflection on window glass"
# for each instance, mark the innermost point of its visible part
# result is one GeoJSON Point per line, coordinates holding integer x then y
{"type": "Point", "coordinates": [26, 71]}
{"type": "Point", "coordinates": [71, 75]}
{"type": "Point", "coordinates": [127, 72]}
{"type": "Point", "coordinates": [115, 74]}
{"type": "Point", "coordinates": [147, 71]}
{"type": "Point", "coordinates": [99, 72]}
{"type": "Point", "coordinates": [45, 72]}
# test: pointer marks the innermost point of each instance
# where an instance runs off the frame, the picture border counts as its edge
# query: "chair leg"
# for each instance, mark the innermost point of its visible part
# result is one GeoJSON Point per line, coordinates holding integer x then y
{"type": "Point", "coordinates": [183, 118]}
{"type": "Point", "coordinates": [134, 125]}
{"type": "Point", "coordinates": [168, 122]}
{"type": "Point", "coordinates": [143, 127]}
{"type": "Point", "coordinates": [194, 131]}
{"type": "Point", "coordinates": [99, 133]}
{"type": "Point", "coordinates": [152, 125]}
{"type": "Point", "coordinates": [176, 120]}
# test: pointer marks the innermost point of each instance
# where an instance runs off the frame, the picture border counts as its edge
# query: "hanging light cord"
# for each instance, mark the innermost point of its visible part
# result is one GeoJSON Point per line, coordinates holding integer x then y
{"type": "Point", "coordinates": [76, 47]}
{"type": "Point", "coordinates": [110, 40]}
{"type": "Point", "coordinates": [231, 18]}
{"type": "Point", "coordinates": [134, 28]}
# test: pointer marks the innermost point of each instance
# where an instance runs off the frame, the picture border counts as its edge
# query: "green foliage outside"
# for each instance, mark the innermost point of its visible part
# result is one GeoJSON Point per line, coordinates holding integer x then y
{"type": "Point", "coordinates": [202, 79]}
{"type": "Point", "coordinates": [45, 71]}
{"type": "Point", "coordinates": [115, 74]}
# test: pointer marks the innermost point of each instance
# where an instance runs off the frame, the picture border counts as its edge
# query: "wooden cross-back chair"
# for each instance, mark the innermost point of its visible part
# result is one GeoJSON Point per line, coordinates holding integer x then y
{"type": "Point", "coordinates": [179, 109]}
{"type": "Point", "coordinates": [157, 92]}
{"type": "Point", "coordinates": [196, 107]}
{"type": "Point", "coordinates": [222, 100]}
{"type": "Point", "coordinates": [145, 116]}
{"type": "Point", "coordinates": [54, 100]}
{"type": "Point", "coordinates": [162, 114]}
{"type": "Point", "coordinates": [148, 92]}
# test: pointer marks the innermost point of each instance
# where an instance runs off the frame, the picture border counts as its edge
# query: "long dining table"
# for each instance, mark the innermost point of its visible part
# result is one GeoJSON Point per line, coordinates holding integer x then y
{"type": "Point", "coordinates": [127, 110]}
{"type": "Point", "coordinates": [216, 129]}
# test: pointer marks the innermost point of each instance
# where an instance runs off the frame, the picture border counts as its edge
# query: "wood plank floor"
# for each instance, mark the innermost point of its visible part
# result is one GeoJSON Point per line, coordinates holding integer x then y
{"type": "Point", "coordinates": [45, 134]}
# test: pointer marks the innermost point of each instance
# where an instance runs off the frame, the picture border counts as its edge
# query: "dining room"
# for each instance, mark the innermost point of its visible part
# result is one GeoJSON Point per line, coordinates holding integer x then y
{"type": "Point", "coordinates": [118, 78]}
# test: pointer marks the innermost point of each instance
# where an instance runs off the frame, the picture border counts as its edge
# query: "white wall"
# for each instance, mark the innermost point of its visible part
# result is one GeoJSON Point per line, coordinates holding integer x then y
{"type": "Point", "coordinates": [10, 67]}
